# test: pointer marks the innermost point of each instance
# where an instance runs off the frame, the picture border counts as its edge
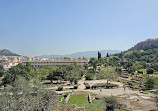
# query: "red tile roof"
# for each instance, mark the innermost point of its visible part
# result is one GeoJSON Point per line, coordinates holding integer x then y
{"type": "Point", "coordinates": [58, 61]}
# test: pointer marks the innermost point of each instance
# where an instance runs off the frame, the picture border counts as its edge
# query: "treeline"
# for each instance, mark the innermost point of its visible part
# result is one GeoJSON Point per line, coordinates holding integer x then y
{"type": "Point", "coordinates": [24, 89]}
{"type": "Point", "coordinates": [70, 73]}
{"type": "Point", "coordinates": [103, 68]}
{"type": "Point", "coordinates": [149, 56]}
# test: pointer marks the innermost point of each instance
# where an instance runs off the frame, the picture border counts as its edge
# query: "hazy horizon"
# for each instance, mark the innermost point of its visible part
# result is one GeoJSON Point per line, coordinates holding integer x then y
{"type": "Point", "coordinates": [80, 52]}
{"type": "Point", "coordinates": [38, 27]}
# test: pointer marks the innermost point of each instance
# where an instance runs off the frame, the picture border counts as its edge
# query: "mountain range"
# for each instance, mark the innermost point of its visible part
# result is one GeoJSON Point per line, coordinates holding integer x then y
{"type": "Point", "coordinates": [150, 47]}
{"type": "Point", "coordinates": [86, 54]}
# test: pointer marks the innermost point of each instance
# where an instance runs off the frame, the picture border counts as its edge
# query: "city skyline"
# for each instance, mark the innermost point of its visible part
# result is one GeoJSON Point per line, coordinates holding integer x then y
{"type": "Point", "coordinates": [34, 28]}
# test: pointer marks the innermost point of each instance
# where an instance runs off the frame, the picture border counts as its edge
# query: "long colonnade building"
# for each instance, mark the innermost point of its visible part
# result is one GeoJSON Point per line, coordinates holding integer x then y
{"type": "Point", "coordinates": [54, 62]}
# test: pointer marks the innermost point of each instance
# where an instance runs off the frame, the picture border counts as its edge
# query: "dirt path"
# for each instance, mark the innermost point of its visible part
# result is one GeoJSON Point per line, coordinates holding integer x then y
{"type": "Point", "coordinates": [81, 84]}
{"type": "Point", "coordinates": [132, 99]}
{"type": "Point", "coordinates": [105, 92]}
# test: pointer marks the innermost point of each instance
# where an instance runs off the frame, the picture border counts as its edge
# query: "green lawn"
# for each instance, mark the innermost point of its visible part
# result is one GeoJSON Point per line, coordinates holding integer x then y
{"type": "Point", "coordinates": [144, 76]}
{"type": "Point", "coordinates": [155, 72]}
{"type": "Point", "coordinates": [80, 100]}
{"type": "Point", "coordinates": [143, 70]}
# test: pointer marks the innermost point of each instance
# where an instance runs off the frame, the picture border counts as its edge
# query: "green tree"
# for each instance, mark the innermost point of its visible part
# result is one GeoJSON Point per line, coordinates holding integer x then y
{"type": "Point", "coordinates": [111, 103]}
{"type": "Point", "coordinates": [73, 76]}
{"type": "Point", "coordinates": [105, 65]}
{"type": "Point", "coordinates": [132, 69]}
{"type": "Point", "coordinates": [23, 97]}
{"type": "Point", "coordinates": [143, 64]}
{"type": "Point", "coordinates": [91, 59]}
{"type": "Point", "coordinates": [119, 71]}
{"type": "Point", "coordinates": [108, 73]}
{"type": "Point", "coordinates": [150, 83]}
{"type": "Point", "coordinates": [149, 71]}
{"type": "Point", "coordinates": [13, 73]}
{"type": "Point", "coordinates": [85, 66]}
{"type": "Point", "coordinates": [1, 71]}
{"type": "Point", "coordinates": [89, 76]}
{"type": "Point", "coordinates": [41, 73]}
{"type": "Point", "coordinates": [94, 64]}
{"type": "Point", "coordinates": [51, 75]}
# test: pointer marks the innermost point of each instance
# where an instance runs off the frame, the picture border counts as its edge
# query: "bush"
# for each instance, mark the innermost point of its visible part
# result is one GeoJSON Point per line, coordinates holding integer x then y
{"type": "Point", "coordinates": [89, 76]}
{"type": "Point", "coordinates": [31, 99]}
{"type": "Point", "coordinates": [110, 85]}
{"type": "Point", "coordinates": [60, 89]}
{"type": "Point", "coordinates": [119, 71]}
{"type": "Point", "coordinates": [76, 81]}
{"type": "Point", "coordinates": [111, 103]}
{"type": "Point", "coordinates": [150, 71]}
{"type": "Point", "coordinates": [94, 87]}
{"type": "Point", "coordinates": [140, 72]}
{"type": "Point", "coordinates": [88, 86]}
{"type": "Point", "coordinates": [150, 83]}
{"type": "Point", "coordinates": [131, 69]}
{"type": "Point", "coordinates": [75, 86]}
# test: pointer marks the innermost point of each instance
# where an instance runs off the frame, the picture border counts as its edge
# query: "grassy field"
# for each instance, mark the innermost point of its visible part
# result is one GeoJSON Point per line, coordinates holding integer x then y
{"type": "Point", "coordinates": [143, 70]}
{"type": "Point", "coordinates": [155, 72]}
{"type": "Point", "coordinates": [80, 100]}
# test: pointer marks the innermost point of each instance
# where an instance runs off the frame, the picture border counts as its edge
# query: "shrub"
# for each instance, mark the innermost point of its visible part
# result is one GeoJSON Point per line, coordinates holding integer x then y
{"type": "Point", "coordinates": [110, 85]}
{"type": "Point", "coordinates": [150, 83]}
{"type": "Point", "coordinates": [131, 69]}
{"type": "Point", "coordinates": [76, 81]}
{"type": "Point", "coordinates": [60, 89]}
{"type": "Point", "coordinates": [31, 99]}
{"type": "Point", "coordinates": [119, 71]}
{"type": "Point", "coordinates": [149, 71]}
{"type": "Point", "coordinates": [94, 86]}
{"type": "Point", "coordinates": [75, 86]}
{"type": "Point", "coordinates": [140, 72]}
{"type": "Point", "coordinates": [88, 86]}
{"type": "Point", "coordinates": [89, 76]}
{"type": "Point", "coordinates": [111, 103]}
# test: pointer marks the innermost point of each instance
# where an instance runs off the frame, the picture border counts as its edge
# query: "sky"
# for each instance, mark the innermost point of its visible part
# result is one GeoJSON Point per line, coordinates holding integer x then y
{"type": "Point", "coordinates": [43, 27]}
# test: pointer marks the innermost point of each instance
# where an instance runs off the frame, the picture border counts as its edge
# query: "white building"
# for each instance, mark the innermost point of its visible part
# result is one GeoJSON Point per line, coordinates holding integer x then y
{"type": "Point", "coordinates": [8, 65]}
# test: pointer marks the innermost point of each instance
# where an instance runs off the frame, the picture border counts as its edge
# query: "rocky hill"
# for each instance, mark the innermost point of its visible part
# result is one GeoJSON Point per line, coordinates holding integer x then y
{"type": "Point", "coordinates": [144, 51]}
{"type": "Point", "coordinates": [6, 52]}
{"type": "Point", "coordinates": [148, 44]}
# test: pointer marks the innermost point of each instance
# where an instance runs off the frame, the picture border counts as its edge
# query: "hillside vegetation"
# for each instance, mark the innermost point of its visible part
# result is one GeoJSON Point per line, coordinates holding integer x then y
{"type": "Point", "coordinates": [144, 51]}
{"type": "Point", "coordinates": [148, 44]}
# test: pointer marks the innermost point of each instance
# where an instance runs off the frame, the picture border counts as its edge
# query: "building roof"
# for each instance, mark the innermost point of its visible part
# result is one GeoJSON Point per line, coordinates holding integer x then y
{"type": "Point", "coordinates": [75, 60]}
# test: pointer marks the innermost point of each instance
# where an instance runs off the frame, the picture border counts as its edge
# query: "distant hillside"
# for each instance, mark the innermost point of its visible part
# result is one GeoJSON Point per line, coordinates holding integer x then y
{"type": "Point", "coordinates": [148, 44]}
{"type": "Point", "coordinates": [143, 51]}
{"type": "Point", "coordinates": [6, 52]}
{"type": "Point", "coordinates": [86, 54]}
